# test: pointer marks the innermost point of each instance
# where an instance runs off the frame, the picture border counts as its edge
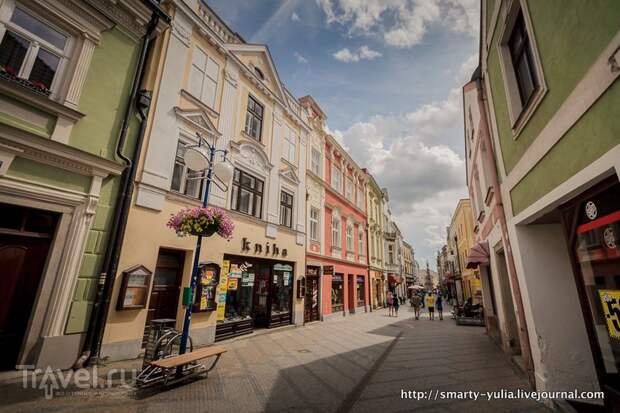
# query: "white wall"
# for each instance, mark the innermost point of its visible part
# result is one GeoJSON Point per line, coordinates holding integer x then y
{"type": "Point", "coordinates": [560, 347]}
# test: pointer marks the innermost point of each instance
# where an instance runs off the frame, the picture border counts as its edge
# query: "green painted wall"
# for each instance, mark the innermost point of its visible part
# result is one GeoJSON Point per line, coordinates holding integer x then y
{"type": "Point", "coordinates": [595, 133]}
{"type": "Point", "coordinates": [43, 129]}
{"type": "Point", "coordinates": [569, 38]}
{"type": "Point", "coordinates": [105, 94]}
{"type": "Point", "coordinates": [103, 99]}
{"type": "Point", "coordinates": [34, 171]}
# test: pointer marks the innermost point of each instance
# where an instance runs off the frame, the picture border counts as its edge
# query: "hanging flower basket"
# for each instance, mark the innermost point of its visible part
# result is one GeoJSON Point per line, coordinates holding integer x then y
{"type": "Point", "coordinates": [202, 221]}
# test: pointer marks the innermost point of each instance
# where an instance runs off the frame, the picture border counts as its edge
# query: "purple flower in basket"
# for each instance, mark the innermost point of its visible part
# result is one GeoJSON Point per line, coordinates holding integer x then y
{"type": "Point", "coordinates": [202, 221]}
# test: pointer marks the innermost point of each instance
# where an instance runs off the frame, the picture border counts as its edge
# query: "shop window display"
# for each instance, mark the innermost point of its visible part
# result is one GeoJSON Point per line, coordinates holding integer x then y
{"type": "Point", "coordinates": [360, 291]}
{"type": "Point", "coordinates": [281, 289]}
{"type": "Point", "coordinates": [337, 293]}
{"type": "Point", "coordinates": [240, 292]}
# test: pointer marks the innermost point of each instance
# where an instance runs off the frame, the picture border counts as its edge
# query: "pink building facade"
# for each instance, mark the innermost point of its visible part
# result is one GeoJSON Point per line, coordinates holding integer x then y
{"type": "Point", "coordinates": [343, 259]}
{"type": "Point", "coordinates": [503, 306]}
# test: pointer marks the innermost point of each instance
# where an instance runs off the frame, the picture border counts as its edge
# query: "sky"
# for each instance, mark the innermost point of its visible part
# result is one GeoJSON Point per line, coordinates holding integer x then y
{"type": "Point", "coordinates": [388, 74]}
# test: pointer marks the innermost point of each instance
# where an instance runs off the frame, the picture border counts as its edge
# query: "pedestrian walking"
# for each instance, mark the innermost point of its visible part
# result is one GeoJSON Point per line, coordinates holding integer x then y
{"type": "Point", "coordinates": [396, 305]}
{"type": "Point", "coordinates": [439, 306]}
{"type": "Point", "coordinates": [390, 304]}
{"type": "Point", "coordinates": [430, 304]}
{"type": "Point", "coordinates": [416, 301]}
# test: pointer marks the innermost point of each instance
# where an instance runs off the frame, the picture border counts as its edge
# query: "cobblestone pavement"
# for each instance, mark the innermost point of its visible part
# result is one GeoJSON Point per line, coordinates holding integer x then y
{"type": "Point", "coordinates": [358, 364]}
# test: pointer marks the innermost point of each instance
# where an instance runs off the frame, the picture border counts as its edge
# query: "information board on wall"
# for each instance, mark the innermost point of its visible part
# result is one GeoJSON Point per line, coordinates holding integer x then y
{"type": "Point", "coordinates": [222, 289]}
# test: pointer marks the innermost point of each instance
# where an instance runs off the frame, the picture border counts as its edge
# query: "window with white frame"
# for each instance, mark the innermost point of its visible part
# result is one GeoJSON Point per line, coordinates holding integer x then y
{"type": "Point", "coordinates": [360, 198]}
{"type": "Point", "coordinates": [521, 69]}
{"type": "Point", "coordinates": [391, 254]}
{"type": "Point", "coordinates": [184, 179]}
{"type": "Point", "coordinates": [349, 237]}
{"type": "Point", "coordinates": [286, 209]}
{"type": "Point", "coordinates": [336, 232]}
{"type": "Point", "coordinates": [348, 189]}
{"type": "Point", "coordinates": [315, 162]}
{"type": "Point", "coordinates": [289, 146]}
{"type": "Point", "coordinates": [31, 47]}
{"type": "Point", "coordinates": [314, 224]}
{"type": "Point", "coordinates": [203, 77]}
{"type": "Point", "coordinates": [336, 178]}
{"type": "Point", "coordinates": [360, 240]}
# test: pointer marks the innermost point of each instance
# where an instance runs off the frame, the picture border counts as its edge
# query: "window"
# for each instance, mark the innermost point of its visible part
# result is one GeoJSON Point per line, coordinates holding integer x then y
{"type": "Point", "coordinates": [315, 162]}
{"type": "Point", "coordinates": [337, 293]}
{"type": "Point", "coordinates": [335, 233]}
{"type": "Point", "coordinates": [349, 237]}
{"type": "Point", "coordinates": [286, 209]}
{"type": "Point", "coordinates": [182, 181]}
{"type": "Point", "coordinates": [391, 254]}
{"type": "Point", "coordinates": [259, 73]}
{"type": "Point", "coordinates": [336, 178]}
{"type": "Point", "coordinates": [289, 146]}
{"type": "Point", "coordinates": [360, 198]}
{"type": "Point", "coordinates": [314, 224]}
{"type": "Point", "coordinates": [33, 50]}
{"type": "Point", "coordinates": [203, 77]}
{"type": "Point", "coordinates": [254, 119]}
{"type": "Point", "coordinates": [247, 194]}
{"type": "Point", "coordinates": [360, 240]}
{"type": "Point", "coordinates": [348, 189]}
{"type": "Point", "coordinates": [522, 60]}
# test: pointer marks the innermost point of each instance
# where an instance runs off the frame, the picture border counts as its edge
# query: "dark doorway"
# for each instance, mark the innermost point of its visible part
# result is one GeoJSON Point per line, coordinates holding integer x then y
{"type": "Point", "coordinates": [25, 238]}
{"type": "Point", "coordinates": [261, 296]}
{"type": "Point", "coordinates": [312, 300]}
{"type": "Point", "coordinates": [165, 293]}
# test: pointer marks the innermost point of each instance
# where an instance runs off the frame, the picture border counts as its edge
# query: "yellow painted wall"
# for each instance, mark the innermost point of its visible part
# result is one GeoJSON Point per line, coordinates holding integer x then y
{"type": "Point", "coordinates": [147, 232]}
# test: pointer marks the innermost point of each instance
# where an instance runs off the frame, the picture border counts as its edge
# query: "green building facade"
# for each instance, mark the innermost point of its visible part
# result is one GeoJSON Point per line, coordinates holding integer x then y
{"type": "Point", "coordinates": [66, 71]}
{"type": "Point", "coordinates": [550, 72]}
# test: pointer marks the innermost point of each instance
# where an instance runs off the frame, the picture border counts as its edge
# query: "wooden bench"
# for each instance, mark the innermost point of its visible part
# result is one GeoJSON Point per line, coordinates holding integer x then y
{"type": "Point", "coordinates": [173, 363]}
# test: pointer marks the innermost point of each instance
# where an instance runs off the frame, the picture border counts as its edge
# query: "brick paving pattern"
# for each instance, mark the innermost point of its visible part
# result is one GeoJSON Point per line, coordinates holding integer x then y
{"type": "Point", "coordinates": [357, 364]}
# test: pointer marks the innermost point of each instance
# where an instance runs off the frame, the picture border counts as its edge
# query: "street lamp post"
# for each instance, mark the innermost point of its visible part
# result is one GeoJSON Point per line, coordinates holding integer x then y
{"type": "Point", "coordinates": [201, 158]}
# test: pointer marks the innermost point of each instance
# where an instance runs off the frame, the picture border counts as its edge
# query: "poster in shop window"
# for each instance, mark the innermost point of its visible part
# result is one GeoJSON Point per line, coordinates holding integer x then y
{"type": "Point", "coordinates": [610, 299]}
{"type": "Point", "coordinates": [221, 290]}
{"type": "Point", "coordinates": [233, 284]}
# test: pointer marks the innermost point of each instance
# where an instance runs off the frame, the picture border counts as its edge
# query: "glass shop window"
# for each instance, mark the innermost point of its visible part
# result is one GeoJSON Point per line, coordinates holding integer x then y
{"type": "Point", "coordinates": [281, 289]}
{"type": "Point", "coordinates": [337, 293]}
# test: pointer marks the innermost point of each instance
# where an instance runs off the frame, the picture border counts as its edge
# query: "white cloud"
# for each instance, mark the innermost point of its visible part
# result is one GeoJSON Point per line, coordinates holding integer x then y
{"type": "Point", "coordinates": [295, 17]}
{"type": "Point", "coordinates": [467, 69]}
{"type": "Point", "coordinates": [363, 53]}
{"type": "Point", "coordinates": [300, 58]}
{"type": "Point", "coordinates": [425, 178]}
{"type": "Point", "coordinates": [402, 23]}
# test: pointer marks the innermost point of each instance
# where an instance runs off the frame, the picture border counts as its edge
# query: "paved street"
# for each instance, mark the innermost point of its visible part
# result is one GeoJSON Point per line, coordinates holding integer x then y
{"type": "Point", "coordinates": [358, 364]}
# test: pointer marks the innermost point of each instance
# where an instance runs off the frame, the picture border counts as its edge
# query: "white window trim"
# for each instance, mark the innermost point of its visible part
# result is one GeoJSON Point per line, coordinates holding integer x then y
{"type": "Point", "coordinates": [336, 229]}
{"type": "Point", "coordinates": [519, 116]}
{"type": "Point", "coordinates": [350, 231]}
{"type": "Point", "coordinates": [349, 195]}
{"type": "Point", "coordinates": [6, 12]}
{"type": "Point", "coordinates": [186, 140]}
{"type": "Point", "coordinates": [360, 240]}
{"type": "Point", "coordinates": [291, 192]}
{"type": "Point", "coordinates": [338, 186]}
{"type": "Point", "coordinates": [312, 152]}
{"type": "Point", "coordinates": [316, 221]}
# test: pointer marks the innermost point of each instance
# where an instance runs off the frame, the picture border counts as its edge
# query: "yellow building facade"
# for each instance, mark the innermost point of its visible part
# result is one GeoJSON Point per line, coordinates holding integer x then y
{"type": "Point", "coordinates": [375, 205]}
{"type": "Point", "coordinates": [206, 80]}
{"type": "Point", "coordinates": [462, 228]}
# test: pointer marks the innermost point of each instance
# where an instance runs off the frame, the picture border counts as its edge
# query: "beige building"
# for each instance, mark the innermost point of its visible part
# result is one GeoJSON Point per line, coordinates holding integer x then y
{"type": "Point", "coordinates": [375, 206]}
{"type": "Point", "coordinates": [461, 232]}
{"type": "Point", "coordinates": [208, 81]}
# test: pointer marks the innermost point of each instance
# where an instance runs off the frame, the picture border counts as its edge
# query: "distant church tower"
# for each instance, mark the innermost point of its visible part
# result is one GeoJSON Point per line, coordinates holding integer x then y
{"type": "Point", "coordinates": [428, 282]}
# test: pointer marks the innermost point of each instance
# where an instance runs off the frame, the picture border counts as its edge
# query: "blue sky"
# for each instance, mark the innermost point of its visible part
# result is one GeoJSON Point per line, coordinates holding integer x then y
{"type": "Point", "coordinates": [388, 75]}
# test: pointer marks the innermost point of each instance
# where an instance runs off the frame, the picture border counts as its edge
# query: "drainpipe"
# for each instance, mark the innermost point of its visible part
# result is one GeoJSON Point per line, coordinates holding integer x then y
{"type": "Point", "coordinates": [141, 100]}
